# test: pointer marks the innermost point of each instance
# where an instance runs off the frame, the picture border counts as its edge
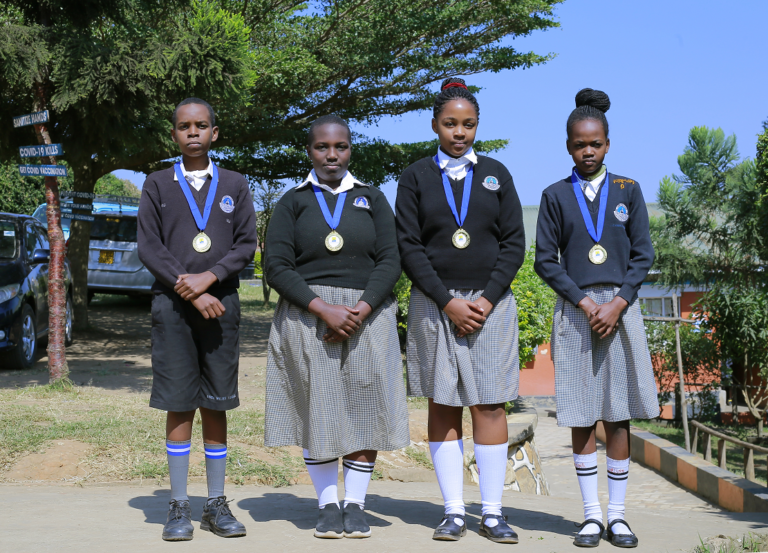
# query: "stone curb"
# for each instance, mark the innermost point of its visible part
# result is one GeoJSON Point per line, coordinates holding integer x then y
{"type": "Point", "coordinates": [721, 487]}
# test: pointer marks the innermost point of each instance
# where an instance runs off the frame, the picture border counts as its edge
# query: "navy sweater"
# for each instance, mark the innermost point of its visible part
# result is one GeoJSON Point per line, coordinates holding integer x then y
{"type": "Point", "coordinates": [425, 226]}
{"type": "Point", "coordinates": [561, 231]}
{"type": "Point", "coordinates": [167, 227]}
{"type": "Point", "coordinates": [296, 253]}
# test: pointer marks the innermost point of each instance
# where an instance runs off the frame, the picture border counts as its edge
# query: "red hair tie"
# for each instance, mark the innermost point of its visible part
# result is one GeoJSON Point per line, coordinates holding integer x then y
{"type": "Point", "coordinates": [451, 85]}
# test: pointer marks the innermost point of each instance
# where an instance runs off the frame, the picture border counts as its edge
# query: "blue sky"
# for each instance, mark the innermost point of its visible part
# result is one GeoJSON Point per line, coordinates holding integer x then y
{"type": "Point", "coordinates": [666, 65]}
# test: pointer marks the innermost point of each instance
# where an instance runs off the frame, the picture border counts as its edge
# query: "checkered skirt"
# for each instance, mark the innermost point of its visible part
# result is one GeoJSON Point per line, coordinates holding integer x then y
{"type": "Point", "coordinates": [479, 369]}
{"type": "Point", "coordinates": [335, 398]}
{"type": "Point", "coordinates": [609, 379]}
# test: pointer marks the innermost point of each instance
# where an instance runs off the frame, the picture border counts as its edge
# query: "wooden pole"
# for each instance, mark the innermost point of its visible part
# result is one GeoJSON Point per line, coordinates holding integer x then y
{"type": "Point", "coordinates": [708, 447]}
{"type": "Point", "coordinates": [695, 440]}
{"type": "Point", "coordinates": [721, 444]}
{"type": "Point", "coordinates": [683, 403]}
{"type": "Point", "coordinates": [749, 464]}
{"type": "Point", "coordinates": [57, 295]}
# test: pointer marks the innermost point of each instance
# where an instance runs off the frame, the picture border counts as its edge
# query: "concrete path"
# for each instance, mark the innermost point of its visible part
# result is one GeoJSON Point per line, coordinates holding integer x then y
{"type": "Point", "coordinates": [402, 516]}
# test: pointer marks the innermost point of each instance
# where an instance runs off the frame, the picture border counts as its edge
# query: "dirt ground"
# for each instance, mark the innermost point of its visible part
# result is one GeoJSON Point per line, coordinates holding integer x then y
{"type": "Point", "coordinates": [113, 358]}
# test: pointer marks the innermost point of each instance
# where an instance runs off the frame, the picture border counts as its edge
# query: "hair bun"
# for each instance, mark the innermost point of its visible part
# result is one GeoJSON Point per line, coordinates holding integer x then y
{"type": "Point", "coordinates": [453, 82]}
{"type": "Point", "coordinates": [595, 98]}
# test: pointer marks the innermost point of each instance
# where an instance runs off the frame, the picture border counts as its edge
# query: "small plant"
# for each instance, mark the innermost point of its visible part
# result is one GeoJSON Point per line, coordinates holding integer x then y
{"type": "Point", "coordinates": [751, 543]}
{"type": "Point", "coordinates": [419, 457]}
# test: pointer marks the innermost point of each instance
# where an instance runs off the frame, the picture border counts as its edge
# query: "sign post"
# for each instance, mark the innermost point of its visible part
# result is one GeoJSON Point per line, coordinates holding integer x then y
{"type": "Point", "coordinates": [57, 295]}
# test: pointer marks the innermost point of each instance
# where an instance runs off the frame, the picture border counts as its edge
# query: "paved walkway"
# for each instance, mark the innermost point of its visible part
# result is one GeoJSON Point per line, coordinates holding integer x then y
{"type": "Point", "coordinates": [647, 489]}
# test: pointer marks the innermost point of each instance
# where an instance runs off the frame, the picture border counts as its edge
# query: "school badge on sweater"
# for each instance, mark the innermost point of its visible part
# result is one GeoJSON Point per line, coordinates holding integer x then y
{"type": "Point", "coordinates": [491, 183]}
{"type": "Point", "coordinates": [621, 212]}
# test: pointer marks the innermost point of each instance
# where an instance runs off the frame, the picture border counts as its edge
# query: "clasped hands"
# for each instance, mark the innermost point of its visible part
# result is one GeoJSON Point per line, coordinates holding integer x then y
{"type": "Point", "coordinates": [193, 288]}
{"type": "Point", "coordinates": [604, 318]}
{"type": "Point", "coordinates": [468, 316]}
{"type": "Point", "coordinates": [342, 321]}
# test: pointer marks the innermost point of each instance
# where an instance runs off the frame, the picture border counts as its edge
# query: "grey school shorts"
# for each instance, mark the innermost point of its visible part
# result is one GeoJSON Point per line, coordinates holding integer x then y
{"type": "Point", "coordinates": [194, 360]}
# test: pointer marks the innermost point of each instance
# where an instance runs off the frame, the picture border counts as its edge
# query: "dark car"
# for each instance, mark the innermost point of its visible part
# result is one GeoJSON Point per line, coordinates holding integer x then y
{"type": "Point", "coordinates": [24, 258]}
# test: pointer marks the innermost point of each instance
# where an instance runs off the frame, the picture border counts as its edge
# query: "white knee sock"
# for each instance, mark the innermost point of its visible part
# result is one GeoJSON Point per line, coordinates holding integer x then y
{"type": "Point", "coordinates": [586, 470]}
{"type": "Point", "coordinates": [357, 475]}
{"type": "Point", "coordinates": [448, 458]}
{"type": "Point", "coordinates": [618, 472]}
{"type": "Point", "coordinates": [325, 478]}
{"type": "Point", "coordinates": [492, 467]}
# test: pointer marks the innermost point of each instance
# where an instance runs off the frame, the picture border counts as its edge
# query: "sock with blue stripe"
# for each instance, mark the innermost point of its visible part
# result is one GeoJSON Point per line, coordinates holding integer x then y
{"type": "Point", "coordinates": [215, 468]}
{"type": "Point", "coordinates": [357, 476]}
{"type": "Point", "coordinates": [178, 468]}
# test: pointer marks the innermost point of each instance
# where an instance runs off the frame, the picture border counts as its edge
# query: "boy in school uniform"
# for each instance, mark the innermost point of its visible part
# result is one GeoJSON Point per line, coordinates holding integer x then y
{"type": "Point", "coordinates": [196, 232]}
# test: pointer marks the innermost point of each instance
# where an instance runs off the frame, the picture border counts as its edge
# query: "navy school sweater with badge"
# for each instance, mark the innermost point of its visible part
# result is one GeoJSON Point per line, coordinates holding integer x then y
{"type": "Point", "coordinates": [425, 226]}
{"type": "Point", "coordinates": [561, 231]}
{"type": "Point", "coordinates": [296, 255]}
{"type": "Point", "coordinates": [166, 228]}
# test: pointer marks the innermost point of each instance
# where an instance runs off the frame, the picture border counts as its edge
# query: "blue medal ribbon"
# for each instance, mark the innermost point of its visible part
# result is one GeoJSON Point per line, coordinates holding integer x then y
{"type": "Point", "coordinates": [464, 197]}
{"type": "Point", "coordinates": [334, 221]}
{"type": "Point", "coordinates": [200, 220]}
{"type": "Point", "coordinates": [585, 211]}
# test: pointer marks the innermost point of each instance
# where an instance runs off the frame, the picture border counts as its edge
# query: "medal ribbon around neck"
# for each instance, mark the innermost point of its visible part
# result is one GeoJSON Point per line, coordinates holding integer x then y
{"type": "Point", "coordinates": [200, 220]}
{"type": "Point", "coordinates": [464, 198]}
{"type": "Point", "coordinates": [596, 235]}
{"type": "Point", "coordinates": [333, 242]}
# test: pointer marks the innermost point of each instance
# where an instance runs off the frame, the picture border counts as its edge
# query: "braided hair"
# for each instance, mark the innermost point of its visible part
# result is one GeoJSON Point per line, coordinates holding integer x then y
{"type": "Point", "coordinates": [453, 89]}
{"type": "Point", "coordinates": [199, 102]}
{"type": "Point", "coordinates": [590, 104]}
{"type": "Point", "coordinates": [326, 120]}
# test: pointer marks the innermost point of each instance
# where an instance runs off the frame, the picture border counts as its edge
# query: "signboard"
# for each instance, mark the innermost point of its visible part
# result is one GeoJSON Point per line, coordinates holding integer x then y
{"type": "Point", "coordinates": [39, 151]}
{"type": "Point", "coordinates": [30, 119]}
{"type": "Point", "coordinates": [73, 194]}
{"type": "Point", "coordinates": [43, 170]}
{"type": "Point", "coordinates": [78, 217]}
{"type": "Point", "coordinates": [87, 207]}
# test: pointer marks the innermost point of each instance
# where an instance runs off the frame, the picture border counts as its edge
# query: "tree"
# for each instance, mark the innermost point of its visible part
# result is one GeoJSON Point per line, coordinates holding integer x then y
{"type": "Point", "coordinates": [110, 184]}
{"type": "Point", "coordinates": [112, 71]}
{"type": "Point", "coordinates": [710, 237]}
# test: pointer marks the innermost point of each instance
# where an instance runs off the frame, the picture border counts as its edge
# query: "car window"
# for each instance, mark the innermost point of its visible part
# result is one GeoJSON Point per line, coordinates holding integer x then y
{"type": "Point", "coordinates": [43, 239]}
{"type": "Point", "coordinates": [30, 239]}
{"type": "Point", "coordinates": [8, 240]}
{"type": "Point", "coordinates": [118, 229]}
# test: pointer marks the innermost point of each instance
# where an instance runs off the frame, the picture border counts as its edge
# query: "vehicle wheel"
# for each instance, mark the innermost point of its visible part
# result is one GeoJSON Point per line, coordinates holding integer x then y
{"type": "Point", "coordinates": [69, 317]}
{"type": "Point", "coordinates": [23, 355]}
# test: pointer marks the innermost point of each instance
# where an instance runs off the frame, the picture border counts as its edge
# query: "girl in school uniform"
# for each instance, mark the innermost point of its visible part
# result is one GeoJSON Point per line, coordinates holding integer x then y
{"type": "Point", "coordinates": [461, 237]}
{"type": "Point", "coordinates": [334, 370]}
{"type": "Point", "coordinates": [593, 247]}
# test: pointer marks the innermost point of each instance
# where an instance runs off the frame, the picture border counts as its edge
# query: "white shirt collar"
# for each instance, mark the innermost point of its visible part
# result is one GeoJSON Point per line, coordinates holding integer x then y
{"type": "Point", "coordinates": [347, 183]}
{"type": "Point", "coordinates": [591, 188]}
{"type": "Point", "coordinates": [456, 168]}
{"type": "Point", "coordinates": [196, 178]}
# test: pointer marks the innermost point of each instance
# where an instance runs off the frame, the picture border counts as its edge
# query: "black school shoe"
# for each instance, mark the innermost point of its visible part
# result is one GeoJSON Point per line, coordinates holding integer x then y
{"type": "Point", "coordinates": [355, 525]}
{"type": "Point", "coordinates": [329, 523]}
{"type": "Point", "coordinates": [178, 525]}
{"type": "Point", "coordinates": [621, 540]}
{"type": "Point", "coordinates": [588, 540]}
{"type": "Point", "coordinates": [448, 530]}
{"type": "Point", "coordinates": [501, 533]}
{"type": "Point", "coordinates": [217, 518]}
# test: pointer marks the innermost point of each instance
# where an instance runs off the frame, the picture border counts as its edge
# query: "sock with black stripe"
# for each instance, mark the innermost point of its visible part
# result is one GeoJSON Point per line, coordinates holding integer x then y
{"type": "Point", "coordinates": [357, 476]}
{"type": "Point", "coordinates": [618, 473]}
{"type": "Point", "coordinates": [178, 468]}
{"type": "Point", "coordinates": [586, 471]}
{"type": "Point", "coordinates": [325, 478]}
{"type": "Point", "coordinates": [215, 469]}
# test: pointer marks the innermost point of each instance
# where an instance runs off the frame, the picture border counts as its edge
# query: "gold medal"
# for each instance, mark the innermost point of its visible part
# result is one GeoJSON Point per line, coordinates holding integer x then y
{"type": "Point", "coordinates": [597, 254]}
{"type": "Point", "coordinates": [201, 243]}
{"type": "Point", "coordinates": [460, 239]}
{"type": "Point", "coordinates": [334, 241]}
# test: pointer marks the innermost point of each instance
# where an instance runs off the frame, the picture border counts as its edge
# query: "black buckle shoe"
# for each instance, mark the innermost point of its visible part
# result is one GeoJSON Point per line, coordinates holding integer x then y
{"type": "Point", "coordinates": [588, 540]}
{"type": "Point", "coordinates": [501, 533]}
{"type": "Point", "coordinates": [218, 518]}
{"type": "Point", "coordinates": [178, 525]}
{"type": "Point", "coordinates": [355, 525]}
{"type": "Point", "coordinates": [329, 522]}
{"type": "Point", "coordinates": [448, 530]}
{"type": "Point", "coordinates": [621, 540]}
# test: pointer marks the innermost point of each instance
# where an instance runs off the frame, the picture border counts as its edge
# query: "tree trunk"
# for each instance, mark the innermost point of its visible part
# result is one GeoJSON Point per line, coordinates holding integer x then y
{"type": "Point", "coordinates": [57, 295]}
{"type": "Point", "coordinates": [79, 248]}
{"type": "Point", "coordinates": [265, 288]}
{"type": "Point", "coordinates": [760, 426]}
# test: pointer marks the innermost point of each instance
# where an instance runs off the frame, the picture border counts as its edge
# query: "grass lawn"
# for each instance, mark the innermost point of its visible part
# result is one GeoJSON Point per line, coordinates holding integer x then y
{"type": "Point", "coordinates": [252, 299]}
{"type": "Point", "coordinates": [734, 456]}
